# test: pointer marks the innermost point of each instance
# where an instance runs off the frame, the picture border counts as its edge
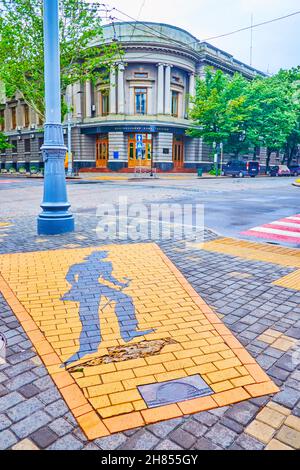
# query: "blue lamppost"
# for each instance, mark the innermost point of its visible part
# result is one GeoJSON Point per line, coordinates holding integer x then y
{"type": "Point", "coordinates": [55, 218]}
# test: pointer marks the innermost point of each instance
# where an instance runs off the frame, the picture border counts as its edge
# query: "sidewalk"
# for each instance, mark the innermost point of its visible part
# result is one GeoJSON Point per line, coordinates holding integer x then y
{"type": "Point", "coordinates": [227, 310]}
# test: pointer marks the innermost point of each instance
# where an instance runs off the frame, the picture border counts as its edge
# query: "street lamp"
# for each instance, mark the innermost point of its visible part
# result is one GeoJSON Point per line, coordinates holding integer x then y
{"type": "Point", "coordinates": [55, 218]}
{"type": "Point", "coordinates": [69, 105]}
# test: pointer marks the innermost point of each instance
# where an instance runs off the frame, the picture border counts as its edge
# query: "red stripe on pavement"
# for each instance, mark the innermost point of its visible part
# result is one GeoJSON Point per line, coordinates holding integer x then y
{"type": "Point", "coordinates": [272, 236]}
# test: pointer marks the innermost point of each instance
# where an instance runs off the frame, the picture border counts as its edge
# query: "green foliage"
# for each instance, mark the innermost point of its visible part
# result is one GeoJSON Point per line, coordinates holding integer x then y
{"type": "Point", "coordinates": [22, 54]}
{"type": "Point", "coordinates": [244, 114]}
{"type": "Point", "coordinates": [3, 142]}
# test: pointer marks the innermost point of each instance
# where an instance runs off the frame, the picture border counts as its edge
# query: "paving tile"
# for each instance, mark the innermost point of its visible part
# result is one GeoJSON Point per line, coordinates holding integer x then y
{"type": "Point", "coordinates": [25, 444]}
{"type": "Point", "coordinates": [7, 439]}
{"type": "Point", "coordinates": [28, 425]}
{"type": "Point", "coordinates": [67, 442]}
{"type": "Point", "coordinates": [289, 436]}
{"type": "Point", "coordinates": [44, 437]}
{"type": "Point", "coordinates": [221, 435]}
{"type": "Point", "coordinates": [260, 431]}
{"type": "Point", "coordinates": [274, 444]}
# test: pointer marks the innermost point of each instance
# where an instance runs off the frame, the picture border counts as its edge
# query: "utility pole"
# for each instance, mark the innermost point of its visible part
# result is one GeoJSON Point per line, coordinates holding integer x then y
{"type": "Point", "coordinates": [251, 42]}
{"type": "Point", "coordinates": [55, 217]}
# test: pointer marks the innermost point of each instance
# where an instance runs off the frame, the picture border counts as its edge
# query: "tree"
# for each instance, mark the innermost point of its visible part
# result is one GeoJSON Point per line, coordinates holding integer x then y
{"type": "Point", "coordinates": [221, 110]}
{"type": "Point", "coordinates": [84, 53]}
{"type": "Point", "coordinates": [4, 142]}
{"type": "Point", "coordinates": [274, 114]}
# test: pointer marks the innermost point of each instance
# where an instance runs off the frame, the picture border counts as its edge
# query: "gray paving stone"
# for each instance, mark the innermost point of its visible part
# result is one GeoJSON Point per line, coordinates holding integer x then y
{"type": "Point", "coordinates": [67, 442]}
{"type": "Point", "coordinates": [206, 444]}
{"type": "Point", "coordinates": [8, 401]}
{"type": "Point", "coordinates": [111, 442]}
{"type": "Point", "coordinates": [195, 428]}
{"type": "Point", "coordinates": [61, 427]}
{"type": "Point", "coordinates": [206, 418]}
{"type": "Point", "coordinates": [165, 427]}
{"type": "Point", "coordinates": [182, 438]}
{"type": "Point", "coordinates": [57, 409]}
{"type": "Point", "coordinates": [30, 424]}
{"type": "Point", "coordinates": [44, 437]}
{"type": "Point", "coordinates": [4, 422]}
{"type": "Point", "coordinates": [166, 444]}
{"type": "Point", "coordinates": [288, 397]}
{"type": "Point", "coordinates": [24, 409]}
{"type": "Point", "coordinates": [7, 439]}
{"type": "Point", "coordinates": [28, 390]}
{"type": "Point", "coordinates": [221, 435]}
{"type": "Point", "coordinates": [249, 443]}
{"type": "Point", "coordinates": [20, 380]}
{"type": "Point", "coordinates": [142, 440]}
{"type": "Point", "coordinates": [49, 396]}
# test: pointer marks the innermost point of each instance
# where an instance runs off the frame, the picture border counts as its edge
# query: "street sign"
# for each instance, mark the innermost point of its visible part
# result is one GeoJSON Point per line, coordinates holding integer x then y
{"type": "Point", "coordinates": [139, 145]}
{"type": "Point", "coordinates": [139, 137]}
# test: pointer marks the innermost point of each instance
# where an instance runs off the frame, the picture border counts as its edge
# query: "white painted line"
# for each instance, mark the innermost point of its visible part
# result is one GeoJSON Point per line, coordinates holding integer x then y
{"type": "Point", "coordinates": [276, 232]}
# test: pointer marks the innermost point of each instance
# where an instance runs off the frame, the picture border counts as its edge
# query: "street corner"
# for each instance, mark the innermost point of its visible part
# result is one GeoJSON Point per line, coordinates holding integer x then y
{"type": "Point", "coordinates": [124, 336]}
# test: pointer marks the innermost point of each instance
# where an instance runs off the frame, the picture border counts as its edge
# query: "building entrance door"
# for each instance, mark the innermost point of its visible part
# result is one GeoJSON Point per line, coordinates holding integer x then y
{"type": "Point", "coordinates": [178, 151]}
{"type": "Point", "coordinates": [139, 158]}
{"type": "Point", "coordinates": [102, 151]}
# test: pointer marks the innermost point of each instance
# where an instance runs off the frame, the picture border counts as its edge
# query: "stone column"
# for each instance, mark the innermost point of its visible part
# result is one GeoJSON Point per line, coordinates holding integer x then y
{"type": "Point", "coordinates": [88, 99]}
{"type": "Point", "coordinates": [160, 89]}
{"type": "Point", "coordinates": [168, 89]}
{"type": "Point", "coordinates": [113, 92]}
{"type": "Point", "coordinates": [121, 89]}
{"type": "Point", "coordinates": [77, 100]}
{"type": "Point", "coordinates": [192, 90]}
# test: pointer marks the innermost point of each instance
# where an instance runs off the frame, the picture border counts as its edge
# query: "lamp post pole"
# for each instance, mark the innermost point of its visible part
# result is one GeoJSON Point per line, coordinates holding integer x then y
{"type": "Point", "coordinates": [55, 217]}
{"type": "Point", "coordinates": [70, 162]}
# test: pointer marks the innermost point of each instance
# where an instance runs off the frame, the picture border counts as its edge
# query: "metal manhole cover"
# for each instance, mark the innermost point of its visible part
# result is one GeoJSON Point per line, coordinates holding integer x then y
{"type": "Point", "coordinates": [166, 393]}
{"type": "Point", "coordinates": [2, 348]}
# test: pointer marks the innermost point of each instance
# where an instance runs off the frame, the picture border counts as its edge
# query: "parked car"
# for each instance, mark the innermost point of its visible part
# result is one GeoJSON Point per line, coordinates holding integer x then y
{"type": "Point", "coordinates": [279, 170]}
{"type": "Point", "coordinates": [295, 170]}
{"type": "Point", "coordinates": [241, 169]}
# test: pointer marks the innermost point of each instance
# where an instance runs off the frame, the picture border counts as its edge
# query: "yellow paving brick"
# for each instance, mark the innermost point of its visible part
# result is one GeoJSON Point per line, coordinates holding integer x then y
{"type": "Point", "coordinates": [89, 381]}
{"type": "Point", "coordinates": [274, 444]}
{"type": "Point", "coordinates": [293, 422]}
{"type": "Point", "coordinates": [202, 369]}
{"type": "Point", "coordinates": [281, 409]}
{"type": "Point", "coordinates": [130, 364]}
{"type": "Point", "coordinates": [187, 353]}
{"type": "Point", "coordinates": [222, 386]}
{"type": "Point", "coordinates": [271, 417]}
{"type": "Point", "coordinates": [220, 376]}
{"type": "Point", "coordinates": [241, 381]}
{"type": "Point", "coordinates": [133, 383]}
{"type": "Point", "coordinates": [115, 410]}
{"type": "Point", "coordinates": [100, 402]}
{"type": "Point", "coordinates": [160, 359]}
{"type": "Point", "coordinates": [227, 363]}
{"type": "Point", "coordinates": [289, 436]}
{"type": "Point", "coordinates": [178, 374]}
{"type": "Point", "coordinates": [149, 370]}
{"type": "Point", "coordinates": [124, 397]}
{"type": "Point", "coordinates": [117, 376]}
{"type": "Point", "coordinates": [179, 364]}
{"type": "Point", "coordinates": [260, 431]}
{"type": "Point", "coordinates": [105, 389]}
{"type": "Point", "coordinates": [139, 405]}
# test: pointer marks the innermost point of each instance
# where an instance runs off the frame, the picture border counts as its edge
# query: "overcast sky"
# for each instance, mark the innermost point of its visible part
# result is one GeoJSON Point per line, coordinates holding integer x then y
{"type": "Point", "coordinates": [274, 46]}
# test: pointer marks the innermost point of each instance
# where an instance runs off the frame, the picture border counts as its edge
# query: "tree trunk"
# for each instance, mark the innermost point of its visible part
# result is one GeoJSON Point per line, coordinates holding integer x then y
{"type": "Point", "coordinates": [269, 152]}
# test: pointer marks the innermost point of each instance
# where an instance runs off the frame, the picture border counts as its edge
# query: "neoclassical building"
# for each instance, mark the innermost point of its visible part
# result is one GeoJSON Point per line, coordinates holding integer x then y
{"type": "Point", "coordinates": [143, 113]}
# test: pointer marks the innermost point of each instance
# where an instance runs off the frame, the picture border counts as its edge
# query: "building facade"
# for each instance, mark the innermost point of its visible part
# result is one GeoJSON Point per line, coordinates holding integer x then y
{"type": "Point", "coordinates": [141, 116]}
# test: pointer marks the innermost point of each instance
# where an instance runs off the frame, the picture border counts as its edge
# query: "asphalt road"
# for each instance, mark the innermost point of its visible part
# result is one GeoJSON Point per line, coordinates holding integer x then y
{"type": "Point", "coordinates": [231, 206]}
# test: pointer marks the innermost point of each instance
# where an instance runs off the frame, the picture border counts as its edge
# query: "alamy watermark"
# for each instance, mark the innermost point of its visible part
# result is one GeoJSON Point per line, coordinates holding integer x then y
{"type": "Point", "coordinates": [125, 221]}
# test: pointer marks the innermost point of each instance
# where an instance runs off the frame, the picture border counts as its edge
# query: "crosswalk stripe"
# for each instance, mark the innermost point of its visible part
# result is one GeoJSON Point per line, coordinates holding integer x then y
{"type": "Point", "coordinates": [275, 231]}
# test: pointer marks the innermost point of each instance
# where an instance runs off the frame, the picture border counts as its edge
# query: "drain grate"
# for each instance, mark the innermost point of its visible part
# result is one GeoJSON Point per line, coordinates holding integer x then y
{"type": "Point", "coordinates": [174, 391]}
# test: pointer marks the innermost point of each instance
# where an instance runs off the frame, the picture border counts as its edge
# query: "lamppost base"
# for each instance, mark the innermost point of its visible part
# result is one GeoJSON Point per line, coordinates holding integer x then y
{"type": "Point", "coordinates": [55, 225]}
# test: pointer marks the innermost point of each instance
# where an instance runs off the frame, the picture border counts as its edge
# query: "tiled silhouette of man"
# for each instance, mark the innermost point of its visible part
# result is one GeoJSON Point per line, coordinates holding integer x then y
{"type": "Point", "coordinates": [87, 289]}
